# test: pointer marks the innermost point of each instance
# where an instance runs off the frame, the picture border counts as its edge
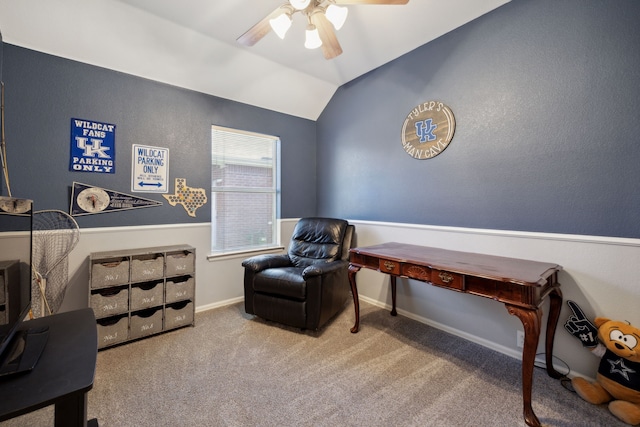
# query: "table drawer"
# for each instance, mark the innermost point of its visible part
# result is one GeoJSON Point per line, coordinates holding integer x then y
{"type": "Point", "coordinates": [447, 279]}
{"type": "Point", "coordinates": [363, 260]}
{"type": "Point", "coordinates": [416, 272]}
{"type": "Point", "coordinates": [389, 267]}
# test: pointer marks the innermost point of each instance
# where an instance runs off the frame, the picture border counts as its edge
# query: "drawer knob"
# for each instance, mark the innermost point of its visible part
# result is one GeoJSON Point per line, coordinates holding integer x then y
{"type": "Point", "coordinates": [389, 265]}
{"type": "Point", "coordinates": [445, 277]}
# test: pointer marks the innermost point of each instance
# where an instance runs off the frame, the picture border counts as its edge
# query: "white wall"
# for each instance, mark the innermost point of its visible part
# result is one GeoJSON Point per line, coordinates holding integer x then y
{"type": "Point", "coordinates": [599, 273]}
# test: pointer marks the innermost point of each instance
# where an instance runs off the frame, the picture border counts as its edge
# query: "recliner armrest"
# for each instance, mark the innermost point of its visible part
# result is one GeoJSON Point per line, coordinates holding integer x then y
{"type": "Point", "coordinates": [323, 268]}
{"type": "Point", "coordinates": [262, 262]}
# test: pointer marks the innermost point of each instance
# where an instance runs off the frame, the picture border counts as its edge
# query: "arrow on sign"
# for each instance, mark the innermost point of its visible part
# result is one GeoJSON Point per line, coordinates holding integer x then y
{"type": "Point", "coordinates": [156, 184]}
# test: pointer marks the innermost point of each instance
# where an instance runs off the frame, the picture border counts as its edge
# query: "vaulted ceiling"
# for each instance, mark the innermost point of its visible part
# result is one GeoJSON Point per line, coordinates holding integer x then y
{"type": "Point", "coordinates": [192, 43]}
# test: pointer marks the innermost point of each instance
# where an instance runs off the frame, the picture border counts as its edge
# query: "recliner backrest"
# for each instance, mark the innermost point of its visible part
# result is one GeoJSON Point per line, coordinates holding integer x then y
{"type": "Point", "coordinates": [348, 242]}
{"type": "Point", "coordinates": [316, 240]}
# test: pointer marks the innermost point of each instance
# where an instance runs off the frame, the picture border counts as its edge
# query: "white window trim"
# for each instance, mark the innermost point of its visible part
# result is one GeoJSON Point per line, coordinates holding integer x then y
{"type": "Point", "coordinates": [277, 247]}
{"type": "Point", "coordinates": [243, 254]}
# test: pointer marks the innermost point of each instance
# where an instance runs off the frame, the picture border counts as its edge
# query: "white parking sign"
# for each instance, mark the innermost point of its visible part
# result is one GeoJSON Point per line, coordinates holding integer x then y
{"type": "Point", "coordinates": [150, 169]}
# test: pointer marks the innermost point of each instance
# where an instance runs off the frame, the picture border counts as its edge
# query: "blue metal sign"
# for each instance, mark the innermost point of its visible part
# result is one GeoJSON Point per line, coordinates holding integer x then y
{"type": "Point", "coordinates": [93, 147]}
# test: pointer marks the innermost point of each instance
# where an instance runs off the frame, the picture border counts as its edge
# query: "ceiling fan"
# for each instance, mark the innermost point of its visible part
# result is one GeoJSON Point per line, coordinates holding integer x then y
{"type": "Point", "coordinates": [323, 16]}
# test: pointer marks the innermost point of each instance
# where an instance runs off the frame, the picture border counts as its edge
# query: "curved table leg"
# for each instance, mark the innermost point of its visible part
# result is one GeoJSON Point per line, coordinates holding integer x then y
{"type": "Point", "coordinates": [531, 319]}
{"type": "Point", "coordinates": [353, 269]}
{"type": "Point", "coordinates": [555, 304]}
{"type": "Point", "coordinates": [393, 296]}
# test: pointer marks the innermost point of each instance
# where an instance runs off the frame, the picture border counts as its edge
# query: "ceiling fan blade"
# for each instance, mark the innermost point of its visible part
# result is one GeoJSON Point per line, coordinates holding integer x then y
{"type": "Point", "coordinates": [371, 1]}
{"type": "Point", "coordinates": [330, 46]}
{"type": "Point", "coordinates": [258, 31]}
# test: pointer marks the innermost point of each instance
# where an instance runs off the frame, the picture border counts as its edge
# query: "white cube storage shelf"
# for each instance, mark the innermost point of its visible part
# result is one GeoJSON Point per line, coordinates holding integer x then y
{"type": "Point", "coordinates": [136, 293]}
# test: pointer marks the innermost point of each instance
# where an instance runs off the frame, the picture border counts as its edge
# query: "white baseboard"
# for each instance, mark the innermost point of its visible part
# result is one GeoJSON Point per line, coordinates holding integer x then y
{"type": "Point", "coordinates": [217, 304]}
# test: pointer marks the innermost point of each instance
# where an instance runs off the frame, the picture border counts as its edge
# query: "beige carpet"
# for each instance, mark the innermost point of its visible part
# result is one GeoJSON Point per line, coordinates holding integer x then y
{"type": "Point", "coordinates": [235, 370]}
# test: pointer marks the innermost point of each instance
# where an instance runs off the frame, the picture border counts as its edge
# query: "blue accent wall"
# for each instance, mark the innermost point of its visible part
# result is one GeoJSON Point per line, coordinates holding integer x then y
{"type": "Point", "coordinates": [546, 97]}
{"type": "Point", "coordinates": [43, 93]}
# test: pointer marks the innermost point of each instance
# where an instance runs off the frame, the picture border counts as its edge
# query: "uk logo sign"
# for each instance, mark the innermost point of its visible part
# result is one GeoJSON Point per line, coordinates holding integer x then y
{"type": "Point", "coordinates": [424, 130]}
{"type": "Point", "coordinates": [428, 130]}
{"type": "Point", "coordinates": [93, 147]}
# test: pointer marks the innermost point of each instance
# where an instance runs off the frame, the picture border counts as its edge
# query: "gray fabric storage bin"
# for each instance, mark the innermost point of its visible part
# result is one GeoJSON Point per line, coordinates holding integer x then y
{"type": "Point", "coordinates": [179, 263]}
{"type": "Point", "coordinates": [180, 289]}
{"type": "Point", "coordinates": [147, 267]}
{"type": "Point", "coordinates": [112, 331]}
{"type": "Point", "coordinates": [110, 272]}
{"type": "Point", "coordinates": [110, 302]}
{"type": "Point", "coordinates": [146, 322]}
{"type": "Point", "coordinates": [145, 295]}
{"type": "Point", "coordinates": [178, 314]}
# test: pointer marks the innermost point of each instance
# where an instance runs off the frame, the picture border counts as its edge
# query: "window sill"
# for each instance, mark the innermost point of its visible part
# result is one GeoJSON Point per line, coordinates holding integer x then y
{"type": "Point", "coordinates": [244, 253]}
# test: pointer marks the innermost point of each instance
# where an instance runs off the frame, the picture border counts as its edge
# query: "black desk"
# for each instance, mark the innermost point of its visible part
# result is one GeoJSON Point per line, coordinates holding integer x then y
{"type": "Point", "coordinates": [64, 374]}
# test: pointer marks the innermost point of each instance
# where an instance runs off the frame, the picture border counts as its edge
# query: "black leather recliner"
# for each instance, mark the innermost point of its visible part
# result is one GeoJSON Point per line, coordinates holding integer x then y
{"type": "Point", "coordinates": [307, 286]}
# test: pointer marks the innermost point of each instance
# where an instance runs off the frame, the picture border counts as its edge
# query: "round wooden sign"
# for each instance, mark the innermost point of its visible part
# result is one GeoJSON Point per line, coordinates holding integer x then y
{"type": "Point", "coordinates": [428, 130]}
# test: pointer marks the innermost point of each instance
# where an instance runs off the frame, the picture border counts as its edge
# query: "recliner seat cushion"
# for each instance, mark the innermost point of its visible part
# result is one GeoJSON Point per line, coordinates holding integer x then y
{"type": "Point", "coordinates": [285, 281]}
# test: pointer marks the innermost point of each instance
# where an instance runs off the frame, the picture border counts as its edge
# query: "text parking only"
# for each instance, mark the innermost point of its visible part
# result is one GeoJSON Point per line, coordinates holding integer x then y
{"type": "Point", "coordinates": [149, 172]}
{"type": "Point", "coordinates": [93, 147]}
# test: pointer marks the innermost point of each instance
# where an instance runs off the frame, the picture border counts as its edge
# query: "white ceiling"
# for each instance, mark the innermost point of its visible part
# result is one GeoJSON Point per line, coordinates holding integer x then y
{"type": "Point", "coordinates": [192, 43]}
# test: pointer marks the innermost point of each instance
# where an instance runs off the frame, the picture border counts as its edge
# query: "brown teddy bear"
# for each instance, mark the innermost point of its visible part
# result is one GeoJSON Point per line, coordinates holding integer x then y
{"type": "Point", "coordinates": [618, 377]}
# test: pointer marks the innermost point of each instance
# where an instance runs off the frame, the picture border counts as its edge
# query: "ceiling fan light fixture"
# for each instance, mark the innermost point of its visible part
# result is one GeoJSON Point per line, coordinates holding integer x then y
{"type": "Point", "coordinates": [281, 24]}
{"type": "Point", "coordinates": [312, 38]}
{"type": "Point", "coordinates": [328, 15]}
{"type": "Point", "coordinates": [300, 4]}
{"type": "Point", "coordinates": [337, 15]}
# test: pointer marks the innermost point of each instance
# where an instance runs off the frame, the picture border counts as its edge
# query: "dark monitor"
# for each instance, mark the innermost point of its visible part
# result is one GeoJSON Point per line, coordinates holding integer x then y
{"type": "Point", "coordinates": [20, 348]}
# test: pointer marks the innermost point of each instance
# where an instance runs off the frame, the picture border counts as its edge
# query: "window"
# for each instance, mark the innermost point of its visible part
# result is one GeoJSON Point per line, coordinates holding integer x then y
{"type": "Point", "coordinates": [244, 190]}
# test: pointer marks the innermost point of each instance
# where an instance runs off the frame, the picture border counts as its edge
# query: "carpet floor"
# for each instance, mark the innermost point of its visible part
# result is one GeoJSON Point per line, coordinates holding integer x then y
{"type": "Point", "coordinates": [232, 369]}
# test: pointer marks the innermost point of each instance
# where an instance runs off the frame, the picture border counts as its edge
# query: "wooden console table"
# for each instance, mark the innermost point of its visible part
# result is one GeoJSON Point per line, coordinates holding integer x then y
{"type": "Point", "coordinates": [521, 285]}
